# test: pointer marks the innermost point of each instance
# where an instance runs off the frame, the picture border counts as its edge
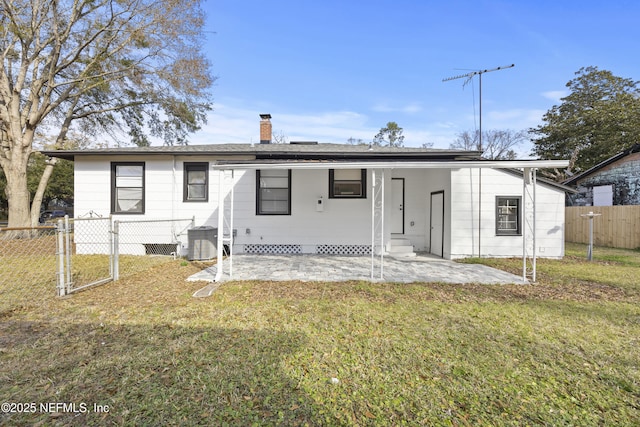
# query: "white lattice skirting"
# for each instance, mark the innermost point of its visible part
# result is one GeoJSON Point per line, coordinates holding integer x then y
{"type": "Point", "coordinates": [297, 249]}
{"type": "Point", "coordinates": [344, 249]}
{"type": "Point", "coordinates": [273, 249]}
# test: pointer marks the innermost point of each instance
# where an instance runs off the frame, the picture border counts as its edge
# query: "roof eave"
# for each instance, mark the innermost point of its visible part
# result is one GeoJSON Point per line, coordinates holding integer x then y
{"type": "Point", "coordinates": [425, 164]}
{"type": "Point", "coordinates": [262, 154]}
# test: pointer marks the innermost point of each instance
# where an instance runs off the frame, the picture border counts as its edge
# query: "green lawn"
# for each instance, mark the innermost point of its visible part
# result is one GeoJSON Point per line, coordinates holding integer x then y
{"type": "Point", "coordinates": [563, 351]}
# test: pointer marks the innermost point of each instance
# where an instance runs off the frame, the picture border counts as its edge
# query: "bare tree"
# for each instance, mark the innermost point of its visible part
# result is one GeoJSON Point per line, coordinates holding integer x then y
{"type": "Point", "coordinates": [496, 144]}
{"type": "Point", "coordinates": [466, 140]}
{"type": "Point", "coordinates": [279, 137]}
{"type": "Point", "coordinates": [124, 69]}
{"type": "Point", "coordinates": [355, 141]}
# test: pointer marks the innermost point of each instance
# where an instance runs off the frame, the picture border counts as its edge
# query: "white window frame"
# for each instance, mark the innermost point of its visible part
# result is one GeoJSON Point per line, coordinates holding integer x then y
{"type": "Point", "coordinates": [121, 183]}
{"type": "Point", "coordinates": [508, 215]}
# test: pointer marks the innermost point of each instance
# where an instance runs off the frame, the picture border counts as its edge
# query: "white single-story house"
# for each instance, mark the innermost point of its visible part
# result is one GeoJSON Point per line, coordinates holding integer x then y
{"type": "Point", "coordinates": [316, 198]}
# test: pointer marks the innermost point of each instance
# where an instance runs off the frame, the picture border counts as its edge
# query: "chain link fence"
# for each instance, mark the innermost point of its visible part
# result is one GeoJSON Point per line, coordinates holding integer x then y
{"type": "Point", "coordinates": [140, 245]}
{"type": "Point", "coordinates": [38, 263]}
{"type": "Point", "coordinates": [28, 266]}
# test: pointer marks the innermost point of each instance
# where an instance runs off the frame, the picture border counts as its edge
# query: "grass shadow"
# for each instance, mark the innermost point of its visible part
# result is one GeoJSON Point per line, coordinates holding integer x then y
{"type": "Point", "coordinates": [150, 375]}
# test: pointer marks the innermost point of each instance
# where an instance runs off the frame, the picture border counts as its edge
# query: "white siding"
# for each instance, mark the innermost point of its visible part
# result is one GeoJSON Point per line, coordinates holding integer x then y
{"type": "Point", "coordinates": [92, 191]}
{"type": "Point", "coordinates": [465, 217]}
{"type": "Point", "coordinates": [342, 221]}
{"type": "Point", "coordinates": [418, 186]}
{"type": "Point", "coordinates": [163, 189]}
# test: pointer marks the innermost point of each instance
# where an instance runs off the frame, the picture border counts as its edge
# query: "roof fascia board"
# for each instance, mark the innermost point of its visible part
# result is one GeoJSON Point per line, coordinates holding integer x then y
{"type": "Point", "coordinates": [479, 164]}
{"type": "Point", "coordinates": [275, 151]}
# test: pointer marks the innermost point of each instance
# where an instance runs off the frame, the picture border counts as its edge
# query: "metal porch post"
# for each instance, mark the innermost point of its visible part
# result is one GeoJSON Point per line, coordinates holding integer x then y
{"type": "Point", "coordinates": [382, 224]}
{"type": "Point", "coordinates": [534, 183]}
{"type": "Point", "coordinates": [373, 219]}
{"type": "Point", "coordinates": [220, 240]}
{"type": "Point", "coordinates": [529, 220]}
{"type": "Point", "coordinates": [377, 217]}
{"type": "Point", "coordinates": [233, 185]}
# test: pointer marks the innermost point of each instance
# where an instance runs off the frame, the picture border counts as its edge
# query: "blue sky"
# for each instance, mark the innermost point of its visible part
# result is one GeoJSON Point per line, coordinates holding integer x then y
{"type": "Point", "coordinates": [330, 70]}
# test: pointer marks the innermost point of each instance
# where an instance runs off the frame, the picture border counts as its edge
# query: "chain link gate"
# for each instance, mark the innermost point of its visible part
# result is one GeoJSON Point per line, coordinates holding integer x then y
{"type": "Point", "coordinates": [85, 253]}
{"type": "Point", "coordinates": [93, 251]}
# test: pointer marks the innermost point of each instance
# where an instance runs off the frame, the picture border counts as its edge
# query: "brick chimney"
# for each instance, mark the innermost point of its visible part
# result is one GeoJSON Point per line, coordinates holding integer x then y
{"type": "Point", "coordinates": [265, 128]}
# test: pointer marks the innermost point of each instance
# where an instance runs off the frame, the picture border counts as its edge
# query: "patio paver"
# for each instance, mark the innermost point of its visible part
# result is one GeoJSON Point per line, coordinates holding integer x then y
{"type": "Point", "coordinates": [330, 268]}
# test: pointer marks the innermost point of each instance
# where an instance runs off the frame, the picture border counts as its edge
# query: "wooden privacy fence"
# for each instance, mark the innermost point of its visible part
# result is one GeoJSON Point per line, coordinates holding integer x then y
{"type": "Point", "coordinates": [616, 227]}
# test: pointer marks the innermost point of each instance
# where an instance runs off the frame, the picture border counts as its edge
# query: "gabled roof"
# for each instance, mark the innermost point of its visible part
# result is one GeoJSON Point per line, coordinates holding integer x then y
{"type": "Point", "coordinates": [574, 179]}
{"type": "Point", "coordinates": [293, 151]}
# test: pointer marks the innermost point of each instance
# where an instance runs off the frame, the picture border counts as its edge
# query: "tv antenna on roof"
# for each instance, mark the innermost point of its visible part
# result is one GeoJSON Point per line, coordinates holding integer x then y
{"type": "Point", "coordinates": [470, 76]}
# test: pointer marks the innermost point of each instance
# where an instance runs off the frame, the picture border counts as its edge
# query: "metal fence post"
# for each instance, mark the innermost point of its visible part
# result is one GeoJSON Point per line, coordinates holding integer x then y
{"type": "Point", "coordinates": [68, 251]}
{"type": "Point", "coordinates": [116, 249]}
{"type": "Point", "coordinates": [110, 243]}
{"type": "Point", "coordinates": [61, 289]}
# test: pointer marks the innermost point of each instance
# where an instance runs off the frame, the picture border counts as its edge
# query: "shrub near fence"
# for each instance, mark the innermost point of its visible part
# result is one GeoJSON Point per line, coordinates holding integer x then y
{"type": "Point", "coordinates": [616, 227]}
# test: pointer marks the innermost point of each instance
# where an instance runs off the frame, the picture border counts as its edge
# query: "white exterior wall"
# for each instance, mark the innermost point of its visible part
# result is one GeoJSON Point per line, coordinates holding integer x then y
{"type": "Point", "coordinates": [465, 216]}
{"type": "Point", "coordinates": [163, 200]}
{"type": "Point", "coordinates": [163, 189]}
{"type": "Point", "coordinates": [342, 221]}
{"type": "Point", "coordinates": [418, 186]}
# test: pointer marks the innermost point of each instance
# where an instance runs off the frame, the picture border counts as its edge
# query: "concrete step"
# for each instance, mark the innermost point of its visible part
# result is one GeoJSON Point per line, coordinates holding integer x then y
{"type": "Point", "coordinates": [400, 242]}
{"type": "Point", "coordinates": [400, 249]}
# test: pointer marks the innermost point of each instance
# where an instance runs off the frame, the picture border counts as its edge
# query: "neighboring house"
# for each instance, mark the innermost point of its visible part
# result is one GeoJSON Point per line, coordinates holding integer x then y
{"type": "Point", "coordinates": [331, 198]}
{"type": "Point", "coordinates": [616, 181]}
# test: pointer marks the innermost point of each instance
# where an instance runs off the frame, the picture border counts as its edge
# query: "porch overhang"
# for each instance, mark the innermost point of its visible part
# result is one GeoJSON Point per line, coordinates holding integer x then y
{"type": "Point", "coordinates": [528, 167]}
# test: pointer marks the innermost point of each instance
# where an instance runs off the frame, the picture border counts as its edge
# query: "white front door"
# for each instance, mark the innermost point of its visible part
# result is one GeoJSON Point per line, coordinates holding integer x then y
{"type": "Point", "coordinates": [437, 223]}
{"type": "Point", "coordinates": [397, 205]}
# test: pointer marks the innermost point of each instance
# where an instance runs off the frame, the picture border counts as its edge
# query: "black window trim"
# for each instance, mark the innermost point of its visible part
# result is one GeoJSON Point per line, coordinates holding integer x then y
{"type": "Point", "coordinates": [518, 231]}
{"type": "Point", "coordinates": [258, 199]}
{"type": "Point", "coordinates": [195, 166]}
{"type": "Point", "coordinates": [363, 180]}
{"type": "Point", "coordinates": [114, 165]}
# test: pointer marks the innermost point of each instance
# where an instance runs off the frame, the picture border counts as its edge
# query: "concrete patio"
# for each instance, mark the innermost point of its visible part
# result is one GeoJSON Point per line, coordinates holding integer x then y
{"type": "Point", "coordinates": [328, 268]}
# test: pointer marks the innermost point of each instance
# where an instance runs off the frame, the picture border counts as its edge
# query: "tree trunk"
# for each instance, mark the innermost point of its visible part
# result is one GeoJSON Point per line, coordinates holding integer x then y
{"type": "Point", "coordinates": [42, 185]}
{"type": "Point", "coordinates": [17, 196]}
{"type": "Point", "coordinates": [17, 190]}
